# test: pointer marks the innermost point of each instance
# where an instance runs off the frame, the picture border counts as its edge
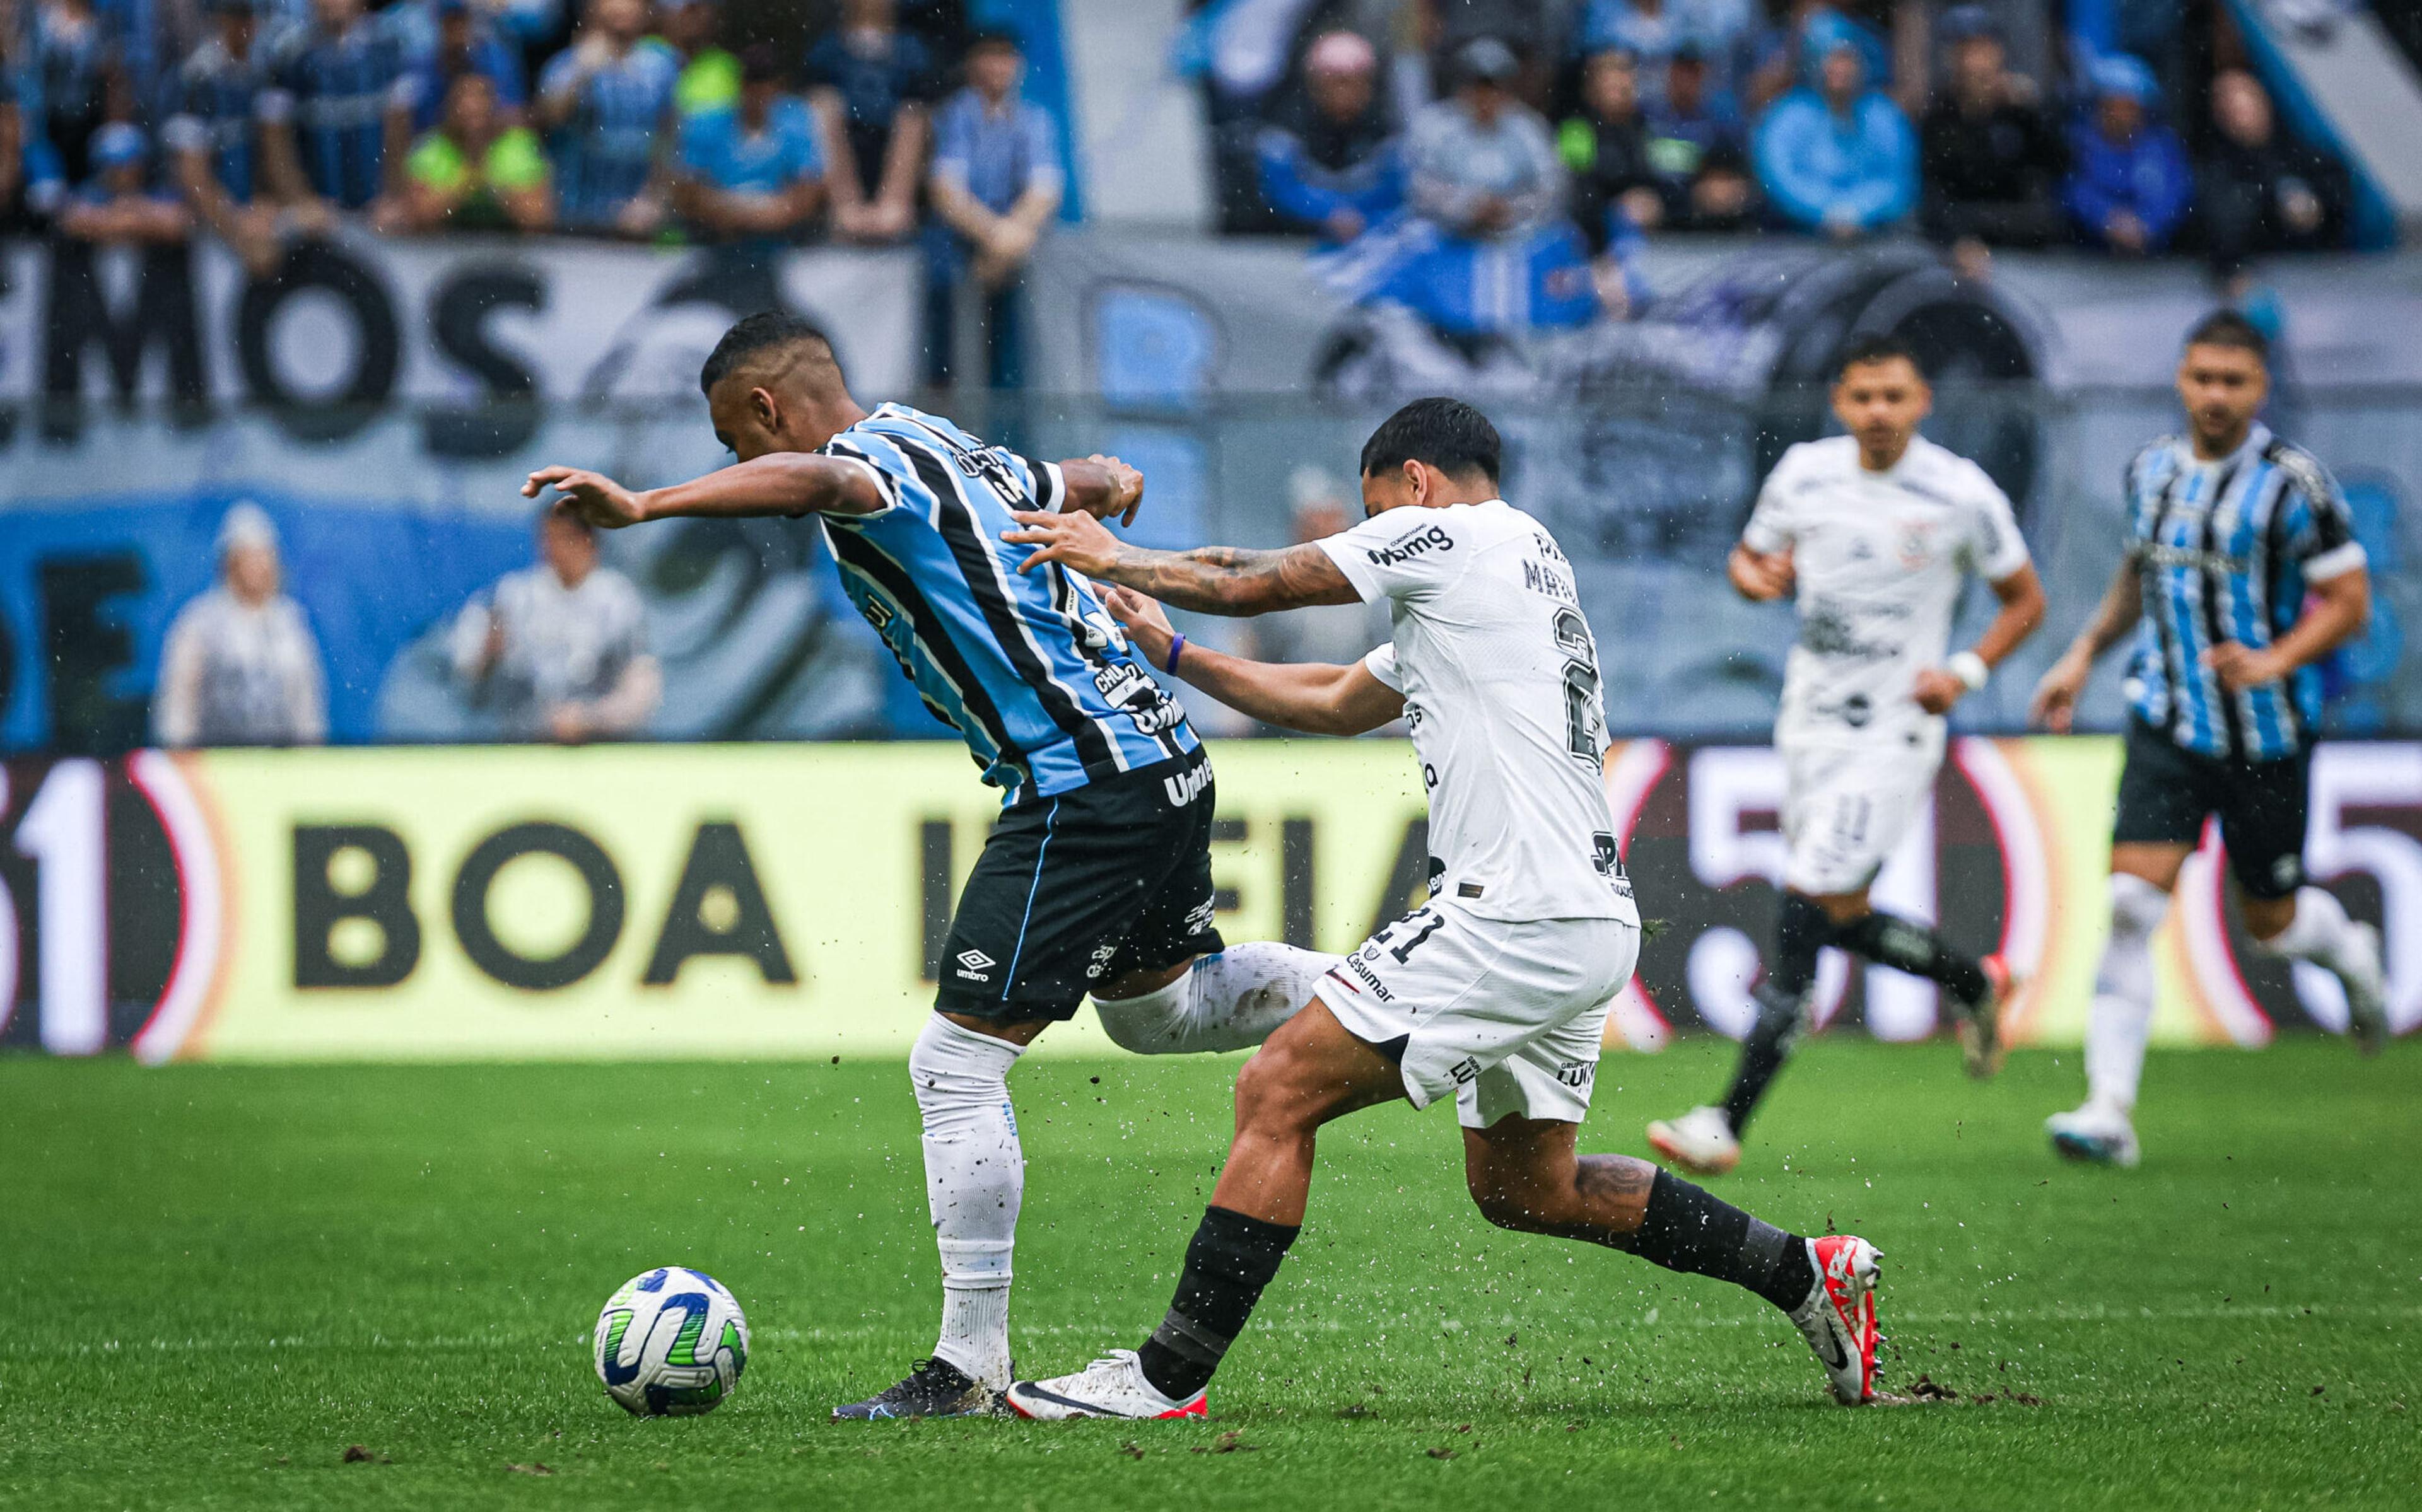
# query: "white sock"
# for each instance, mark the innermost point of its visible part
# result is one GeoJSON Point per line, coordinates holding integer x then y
{"type": "Point", "coordinates": [2121, 1018]}
{"type": "Point", "coordinates": [1229, 1001]}
{"type": "Point", "coordinates": [2320, 932]}
{"type": "Point", "coordinates": [975, 1178]}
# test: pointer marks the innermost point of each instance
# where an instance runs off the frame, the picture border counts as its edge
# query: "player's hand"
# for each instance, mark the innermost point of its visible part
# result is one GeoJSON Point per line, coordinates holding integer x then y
{"type": "Point", "coordinates": [1078, 541]}
{"type": "Point", "coordinates": [590, 497]}
{"type": "Point", "coordinates": [2054, 704]}
{"type": "Point", "coordinates": [1760, 575]}
{"type": "Point", "coordinates": [1936, 690]}
{"type": "Point", "coordinates": [2240, 667]}
{"type": "Point", "coordinates": [1129, 483]}
{"type": "Point", "coordinates": [1145, 624]}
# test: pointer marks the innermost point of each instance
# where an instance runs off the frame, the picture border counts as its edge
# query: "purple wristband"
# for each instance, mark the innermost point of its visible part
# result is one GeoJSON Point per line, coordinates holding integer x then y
{"type": "Point", "coordinates": [1174, 647]}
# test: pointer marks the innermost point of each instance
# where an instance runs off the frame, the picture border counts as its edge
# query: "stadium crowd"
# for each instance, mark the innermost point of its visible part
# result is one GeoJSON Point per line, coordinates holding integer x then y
{"type": "Point", "coordinates": [1981, 126]}
{"type": "Point", "coordinates": [263, 122]}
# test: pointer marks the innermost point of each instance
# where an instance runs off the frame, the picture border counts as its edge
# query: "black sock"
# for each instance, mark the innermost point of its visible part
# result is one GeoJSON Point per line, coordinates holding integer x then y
{"type": "Point", "coordinates": [1232, 1259]}
{"type": "Point", "coordinates": [1907, 945]}
{"type": "Point", "coordinates": [1799, 935]}
{"type": "Point", "coordinates": [1686, 1229]}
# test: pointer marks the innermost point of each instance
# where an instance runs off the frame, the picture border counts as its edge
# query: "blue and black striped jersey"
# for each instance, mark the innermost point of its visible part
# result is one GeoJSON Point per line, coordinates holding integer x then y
{"type": "Point", "coordinates": [2223, 551]}
{"type": "Point", "coordinates": [1028, 667]}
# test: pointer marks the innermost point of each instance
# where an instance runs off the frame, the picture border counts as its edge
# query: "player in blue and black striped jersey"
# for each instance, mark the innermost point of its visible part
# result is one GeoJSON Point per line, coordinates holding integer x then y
{"type": "Point", "coordinates": [2241, 573]}
{"type": "Point", "coordinates": [1096, 879]}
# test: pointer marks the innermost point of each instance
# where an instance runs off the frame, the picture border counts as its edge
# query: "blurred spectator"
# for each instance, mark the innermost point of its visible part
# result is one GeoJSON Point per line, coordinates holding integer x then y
{"type": "Point", "coordinates": [710, 73]}
{"type": "Point", "coordinates": [1992, 161]}
{"type": "Point", "coordinates": [1838, 157]}
{"type": "Point", "coordinates": [1481, 163]}
{"type": "Point", "coordinates": [67, 80]}
{"type": "Point", "coordinates": [997, 183]}
{"type": "Point", "coordinates": [868, 83]}
{"type": "Point", "coordinates": [2257, 192]}
{"type": "Point", "coordinates": [1777, 58]}
{"type": "Point", "coordinates": [338, 111]}
{"type": "Point", "coordinates": [752, 170]}
{"type": "Point", "coordinates": [241, 666]}
{"type": "Point", "coordinates": [477, 171]}
{"type": "Point", "coordinates": [1329, 163]}
{"type": "Point", "coordinates": [1606, 149]}
{"type": "Point", "coordinates": [213, 129]}
{"type": "Point", "coordinates": [1654, 32]}
{"type": "Point", "coordinates": [1698, 151]}
{"type": "Point", "coordinates": [605, 98]}
{"type": "Point", "coordinates": [559, 652]}
{"type": "Point", "coordinates": [2129, 181]}
{"type": "Point", "coordinates": [118, 205]}
{"type": "Point", "coordinates": [463, 42]}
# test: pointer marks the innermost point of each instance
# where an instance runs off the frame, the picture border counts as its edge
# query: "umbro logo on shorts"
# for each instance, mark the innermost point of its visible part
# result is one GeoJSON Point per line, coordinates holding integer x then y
{"type": "Point", "coordinates": [974, 964]}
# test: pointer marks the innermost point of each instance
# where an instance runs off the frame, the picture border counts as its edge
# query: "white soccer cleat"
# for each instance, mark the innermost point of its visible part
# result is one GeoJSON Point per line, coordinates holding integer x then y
{"type": "Point", "coordinates": [1112, 1386]}
{"type": "Point", "coordinates": [2095, 1135]}
{"type": "Point", "coordinates": [1838, 1319]}
{"type": "Point", "coordinates": [2366, 979]}
{"type": "Point", "coordinates": [1699, 1142]}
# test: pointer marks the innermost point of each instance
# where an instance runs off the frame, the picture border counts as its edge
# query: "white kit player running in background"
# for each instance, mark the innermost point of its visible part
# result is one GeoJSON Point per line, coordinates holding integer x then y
{"type": "Point", "coordinates": [1493, 994]}
{"type": "Point", "coordinates": [1878, 530]}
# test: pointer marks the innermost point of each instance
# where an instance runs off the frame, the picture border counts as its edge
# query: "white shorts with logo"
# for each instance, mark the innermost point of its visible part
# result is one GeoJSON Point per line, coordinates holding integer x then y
{"type": "Point", "coordinates": [1507, 1016]}
{"type": "Point", "coordinates": [1847, 807]}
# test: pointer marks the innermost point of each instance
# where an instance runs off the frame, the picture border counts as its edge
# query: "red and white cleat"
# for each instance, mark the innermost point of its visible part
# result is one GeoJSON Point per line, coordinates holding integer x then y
{"type": "Point", "coordinates": [1838, 1319]}
{"type": "Point", "coordinates": [1112, 1386]}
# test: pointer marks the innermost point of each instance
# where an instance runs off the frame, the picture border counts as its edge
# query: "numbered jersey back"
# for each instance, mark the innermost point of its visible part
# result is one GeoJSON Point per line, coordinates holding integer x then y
{"type": "Point", "coordinates": [1500, 676]}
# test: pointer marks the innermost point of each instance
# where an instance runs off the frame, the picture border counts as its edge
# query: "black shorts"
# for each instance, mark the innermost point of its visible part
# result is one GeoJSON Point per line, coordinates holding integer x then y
{"type": "Point", "coordinates": [1092, 884]}
{"type": "Point", "coordinates": [2165, 791]}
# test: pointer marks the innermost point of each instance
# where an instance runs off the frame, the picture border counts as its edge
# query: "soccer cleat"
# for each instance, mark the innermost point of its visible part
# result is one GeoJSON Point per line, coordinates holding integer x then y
{"type": "Point", "coordinates": [1980, 1023]}
{"type": "Point", "coordinates": [1112, 1386]}
{"type": "Point", "coordinates": [1699, 1142]}
{"type": "Point", "coordinates": [2095, 1135]}
{"type": "Point", "coordinates": [932, 1388]}
{"type": "Point", "coordinates": [2367, 992]}
{"type": "Point", "coordinates": [1838, 1319]}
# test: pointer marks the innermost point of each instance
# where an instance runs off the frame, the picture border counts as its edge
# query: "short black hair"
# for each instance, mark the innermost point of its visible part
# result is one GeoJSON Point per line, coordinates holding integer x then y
{"type": "Point", "coordinates": [755, 334]}
{"type": "Point", "coordinates": [1875, 347]}
{"type": "Point", "coordinates": [2227, 328]}
{"type": "Point", "coordinates": [1448, 434]}
{"type": "Point", "coordinates": [992, 37]}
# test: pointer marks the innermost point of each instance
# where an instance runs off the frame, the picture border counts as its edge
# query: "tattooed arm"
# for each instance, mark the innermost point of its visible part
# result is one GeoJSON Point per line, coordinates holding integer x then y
{"type": "Point", "coordinates": [1212, 580]}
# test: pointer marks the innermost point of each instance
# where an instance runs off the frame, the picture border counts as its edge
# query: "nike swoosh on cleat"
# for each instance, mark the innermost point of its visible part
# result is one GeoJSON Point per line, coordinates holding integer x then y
{"type": "Point", "coordinates": [1840, 1358]}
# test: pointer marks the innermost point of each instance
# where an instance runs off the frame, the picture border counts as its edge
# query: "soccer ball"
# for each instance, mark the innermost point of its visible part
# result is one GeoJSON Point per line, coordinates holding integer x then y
{"type": "Point", "coordinates": [670, 1341]}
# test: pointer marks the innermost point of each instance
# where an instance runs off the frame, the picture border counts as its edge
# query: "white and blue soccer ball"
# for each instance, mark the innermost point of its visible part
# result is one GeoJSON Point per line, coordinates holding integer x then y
{"type": "Point", "coordinates": [670, 1341]}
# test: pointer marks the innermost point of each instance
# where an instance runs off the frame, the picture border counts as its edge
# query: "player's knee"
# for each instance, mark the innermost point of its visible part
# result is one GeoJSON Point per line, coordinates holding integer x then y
{"type": "Point", "coordinates": [2137, 906]}
{"type": "Point", "coordinates": [1156, 1023]}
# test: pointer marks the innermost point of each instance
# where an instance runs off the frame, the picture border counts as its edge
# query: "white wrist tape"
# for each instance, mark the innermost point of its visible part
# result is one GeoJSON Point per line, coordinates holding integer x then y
{"type": "Point", "coordinates": [1970, 669]}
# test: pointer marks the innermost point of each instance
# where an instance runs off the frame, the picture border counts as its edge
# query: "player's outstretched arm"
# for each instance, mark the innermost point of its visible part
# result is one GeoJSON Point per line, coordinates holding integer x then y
{"type": "Point", "coordinates": [2021, 597]}
{"type": "Point", "coordinates": [782, 483]}
{"type": "Point", "coordinates": [2054, 705]}
{"type": "Point", "coordinates": [1211, 580]}
{"type": "Point", "coordinates": [1318, 700]}
{"type": "Point", "coordinates": [1102, 486]}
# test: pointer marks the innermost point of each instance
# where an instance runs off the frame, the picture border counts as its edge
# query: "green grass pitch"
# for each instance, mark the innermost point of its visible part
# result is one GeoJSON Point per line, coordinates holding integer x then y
{"type": "Point", "coordinates": [220, 1278]}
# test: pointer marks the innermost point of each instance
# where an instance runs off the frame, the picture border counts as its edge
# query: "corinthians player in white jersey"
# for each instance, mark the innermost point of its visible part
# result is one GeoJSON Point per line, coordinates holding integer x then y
{"type": "Point", "coordinates": [1877, 530]}
{"type": "Point", "coordinates": [1492, 995]}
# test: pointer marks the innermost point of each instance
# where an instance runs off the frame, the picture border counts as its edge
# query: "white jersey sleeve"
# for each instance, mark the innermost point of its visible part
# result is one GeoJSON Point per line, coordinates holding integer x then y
{"type": "Point", "coordinates": [1776, 525]}
{"type": "Point", "coordinates": [1993, 550]}
{"type": "Point", "coordinates": [1381, 663]}
{"type": "Point", "coordinates": [1405, 555]}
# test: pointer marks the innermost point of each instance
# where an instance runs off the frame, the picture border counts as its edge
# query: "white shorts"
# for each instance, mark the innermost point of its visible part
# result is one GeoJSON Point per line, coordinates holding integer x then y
{"type": "Point", "coordinates": [1507, 1016]}
{"type": "Point", "coordinates": [1845, 808]}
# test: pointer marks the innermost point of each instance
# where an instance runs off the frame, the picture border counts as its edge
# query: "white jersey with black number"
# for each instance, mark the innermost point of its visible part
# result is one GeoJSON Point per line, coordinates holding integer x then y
{"type": "Point", "coordinates": [1880, 559]}
{"type": "Point", "coordinates": [1500, 683]}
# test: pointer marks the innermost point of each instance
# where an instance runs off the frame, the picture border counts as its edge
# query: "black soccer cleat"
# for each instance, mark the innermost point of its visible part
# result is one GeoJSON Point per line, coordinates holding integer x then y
{"type": "Point", "coordinates": [934, 1388]}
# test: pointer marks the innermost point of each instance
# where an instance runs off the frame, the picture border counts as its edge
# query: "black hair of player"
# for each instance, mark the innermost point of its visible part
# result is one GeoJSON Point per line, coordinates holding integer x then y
{"type": "Point", "coordinates": [1864, 351]}
{"type": "Point", "coordinates": [2227, 328]}
{"type": "Point", "coordinates": [765, 330]}
{"type": "Point", "coordinates": [989, 39]}
{"type": "Point", "coordinates": [1448, 434]}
